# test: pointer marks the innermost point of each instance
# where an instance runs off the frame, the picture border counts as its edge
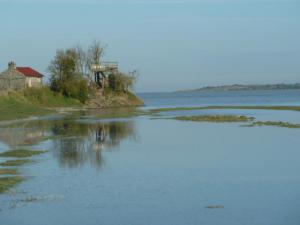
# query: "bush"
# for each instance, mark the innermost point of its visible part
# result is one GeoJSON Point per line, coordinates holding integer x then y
{"type": "Point", "coordinates": [121, 82]}
{"type": "Point", "coordinates": [76, 88]}
{"type": "Point", "coordinates": [66, 77]}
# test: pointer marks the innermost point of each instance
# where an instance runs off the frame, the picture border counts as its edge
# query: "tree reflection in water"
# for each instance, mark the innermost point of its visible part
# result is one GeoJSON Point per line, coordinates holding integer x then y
{"type": "Point", "coordinates": [78, 143]}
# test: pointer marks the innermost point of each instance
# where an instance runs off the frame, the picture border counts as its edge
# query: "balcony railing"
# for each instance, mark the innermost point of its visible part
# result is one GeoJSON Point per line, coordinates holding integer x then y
{"type": "Point", "coordinates": [105, 66]}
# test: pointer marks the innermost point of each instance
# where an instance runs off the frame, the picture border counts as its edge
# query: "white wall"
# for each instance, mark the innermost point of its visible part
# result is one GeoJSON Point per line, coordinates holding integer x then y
{"type": "Point", "coordinates": [33, 82]}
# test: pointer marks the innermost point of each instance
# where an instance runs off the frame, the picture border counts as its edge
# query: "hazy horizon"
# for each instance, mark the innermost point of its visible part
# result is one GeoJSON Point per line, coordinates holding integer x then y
{"type": "Point", "coordinates": [173, 44]}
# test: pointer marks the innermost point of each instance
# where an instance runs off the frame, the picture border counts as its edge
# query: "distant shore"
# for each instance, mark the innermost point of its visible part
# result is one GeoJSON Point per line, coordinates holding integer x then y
{"type": "Point", "coordinates": [241, 87]}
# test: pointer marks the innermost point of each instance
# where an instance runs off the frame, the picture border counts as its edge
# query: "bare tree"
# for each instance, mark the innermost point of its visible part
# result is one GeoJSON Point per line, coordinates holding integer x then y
{"type": "Point", "coordinates": [95, 53]}
{"type": "Point", "coordinates": [132, 78]}
{"type": "Point", "coordinates": [82, 65]}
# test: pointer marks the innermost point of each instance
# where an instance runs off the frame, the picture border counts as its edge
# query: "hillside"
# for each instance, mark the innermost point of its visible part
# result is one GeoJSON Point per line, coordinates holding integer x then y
{"type": "Point", "coordinates": [112, 99]}
{"type": "Point", "coordinates": [240, 87]}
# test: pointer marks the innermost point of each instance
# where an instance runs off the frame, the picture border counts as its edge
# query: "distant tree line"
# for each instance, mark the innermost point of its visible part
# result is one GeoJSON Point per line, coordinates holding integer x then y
{"type": "Point", "coordinates": [72, 76]}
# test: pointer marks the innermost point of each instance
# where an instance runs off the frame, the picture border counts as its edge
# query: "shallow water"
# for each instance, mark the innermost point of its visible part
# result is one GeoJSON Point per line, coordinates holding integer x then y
{"type": "Point", "coordinates": [142, 171]}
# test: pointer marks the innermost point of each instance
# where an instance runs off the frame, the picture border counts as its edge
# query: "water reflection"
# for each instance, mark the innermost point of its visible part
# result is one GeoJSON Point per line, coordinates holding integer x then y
{"type": "Point", "coordinates": [78, 143]}
{"type": "Point", "coordinates": [72, 142]}
{"type": "Point", "coordinates": [21, 135]}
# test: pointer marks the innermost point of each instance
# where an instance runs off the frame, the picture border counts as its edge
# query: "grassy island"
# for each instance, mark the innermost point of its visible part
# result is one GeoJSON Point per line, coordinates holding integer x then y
{"type": "Point", "coordinates": [10, 181]}
{"type": "Point", "coordinates": [215, 118]}
{"type": "Point", "coordinates": [78, 79]}
{"type": "Point", "coordinates": [20, 153]}
{"type": "Point", "coordinates": [274, 124]}
{"type": "Point", "coordinates": [17, 162]}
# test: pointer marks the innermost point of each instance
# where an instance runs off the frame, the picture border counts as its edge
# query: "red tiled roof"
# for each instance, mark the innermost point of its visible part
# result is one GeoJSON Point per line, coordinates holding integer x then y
{"type": "Point", "coordinates": [29, 72]}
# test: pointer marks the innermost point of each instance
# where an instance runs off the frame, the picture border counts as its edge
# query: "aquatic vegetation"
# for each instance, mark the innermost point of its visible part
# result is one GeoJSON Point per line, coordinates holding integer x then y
{"type": "Point", "coordinates": [17, 162]}
{"type": "Point", "coordinates": [215, 118]}
{"type": "Point", "coordinates": [8, 171]}
{"type": "Point", "coordinates": [20, 153]}
{"type": "Point", "coordinates": [9, 182]}
{"type": "Point", "coordinates": [290, 108]}
{"type": "Point", "coordinates": [273, 123]}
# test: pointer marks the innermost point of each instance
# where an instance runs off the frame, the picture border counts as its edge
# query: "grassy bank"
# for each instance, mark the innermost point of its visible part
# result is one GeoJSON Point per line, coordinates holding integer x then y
{"type": "Point", "coordinates": [43, 101]}
{"type": "Point", "coordinates": [32, 102]}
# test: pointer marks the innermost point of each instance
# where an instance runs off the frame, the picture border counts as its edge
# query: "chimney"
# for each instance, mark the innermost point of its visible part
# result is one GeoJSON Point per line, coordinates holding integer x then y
{"type": "Point", "coordinates": [12, 65]}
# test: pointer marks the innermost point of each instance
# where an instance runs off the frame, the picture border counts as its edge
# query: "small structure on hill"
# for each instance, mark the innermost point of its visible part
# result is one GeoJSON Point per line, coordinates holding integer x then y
{"type": "Point", "coordinates": [102, 72]}
{"type": "Point", "coordinates": [15, 78]}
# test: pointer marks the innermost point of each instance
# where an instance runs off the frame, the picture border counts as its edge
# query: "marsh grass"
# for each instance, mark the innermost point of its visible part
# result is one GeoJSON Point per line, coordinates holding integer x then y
{"type": "Point", "coordinates": [273, 123]}
{"type": "Point", "coordinates": [215, 118]}
{"type": "Point", "coordinates": [9, 182]}
{"type": "Point", "coordinates": [17, 162]}
{"type": "Point", "coordinates": [8, 171]}
{"type": "Point", "coordinates": [20, 153]}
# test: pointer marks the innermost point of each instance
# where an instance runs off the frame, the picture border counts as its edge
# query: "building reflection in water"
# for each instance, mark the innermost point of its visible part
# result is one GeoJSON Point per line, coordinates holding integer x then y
{"type": "Point", "coordinates": [73, 143]}
{"type": "Point", "coordinates": [21, 135]}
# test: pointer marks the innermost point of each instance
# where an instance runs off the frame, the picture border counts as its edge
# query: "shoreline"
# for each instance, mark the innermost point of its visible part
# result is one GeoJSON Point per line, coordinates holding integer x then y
{"type": "Point", "coordinates": [56, 111]}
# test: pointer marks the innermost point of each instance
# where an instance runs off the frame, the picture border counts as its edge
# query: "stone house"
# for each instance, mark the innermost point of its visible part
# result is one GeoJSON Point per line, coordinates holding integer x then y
{"type": "Point", "coordinates": [15, 78]}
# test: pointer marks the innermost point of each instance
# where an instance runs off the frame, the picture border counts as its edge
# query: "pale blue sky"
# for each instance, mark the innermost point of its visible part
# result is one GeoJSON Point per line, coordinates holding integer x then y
{"type": "Point", "coordinates": [174, 44]}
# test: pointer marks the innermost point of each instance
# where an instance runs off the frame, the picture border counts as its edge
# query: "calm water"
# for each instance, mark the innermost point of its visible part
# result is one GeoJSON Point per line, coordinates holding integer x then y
{"type": "Point", "coordinates": [278, 97]}
{"type": "Point", "coordinates": [140, 171]}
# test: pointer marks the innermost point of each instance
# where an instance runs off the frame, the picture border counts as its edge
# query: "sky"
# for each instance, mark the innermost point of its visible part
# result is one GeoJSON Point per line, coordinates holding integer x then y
{"type": "Point", "coordinates": [174, 44]}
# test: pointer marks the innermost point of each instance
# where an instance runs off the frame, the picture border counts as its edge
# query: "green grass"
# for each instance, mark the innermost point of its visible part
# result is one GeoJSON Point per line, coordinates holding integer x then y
{"type": "Point", "coordinates": [32, 102]}
{"type": "Point", "coordinates": [15, 108]}
{"type": "Point", "coordinates": [8, 171]}
{"type": "Point", "coordinates": [274, 123]}
{"type": "Point", "coordinates": [20, 153]}
{"type": "Point", "coordinates": [17, 162]}
{"type": "Point", "coordinates": [9, 182]}
{"type": "Point", "coordinates": [215, 118]}
{"type": "Point", "coordinates": [46, 98]}
{"type": "Point", "coordinates": [291, 108]}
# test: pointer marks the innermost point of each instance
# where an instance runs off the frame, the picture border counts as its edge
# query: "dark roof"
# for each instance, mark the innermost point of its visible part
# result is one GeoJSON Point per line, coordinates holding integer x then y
{"type": "Point", "coordinates": [29, 72]}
